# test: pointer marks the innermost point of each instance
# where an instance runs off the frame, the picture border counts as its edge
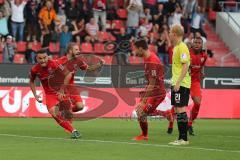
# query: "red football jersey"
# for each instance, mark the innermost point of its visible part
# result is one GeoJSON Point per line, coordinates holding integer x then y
{"type": "Point", "coordinates": [43, 73]}
{"type": "Point", "coordinates": [197, 63]}
{"type": "Point", "coordinates": [154, 69]}
{"type": "Point", "coordinates": [72, 65]}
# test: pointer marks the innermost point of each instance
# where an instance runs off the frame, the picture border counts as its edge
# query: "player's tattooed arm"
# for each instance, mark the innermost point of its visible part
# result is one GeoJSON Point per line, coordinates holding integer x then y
{"type": "Point", "coordinates": [96, 66]}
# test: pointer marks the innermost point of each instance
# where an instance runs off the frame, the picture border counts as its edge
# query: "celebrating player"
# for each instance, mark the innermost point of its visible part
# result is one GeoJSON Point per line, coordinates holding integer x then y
{"type": "Point", "coordinates": [181, 82]}
{"type": "Point", "coordinates": [198, 59]}
{"type": "Point", "coordinates": [155, 90]}
{"type": "Point", "coordinates": [71, 100]}
{"type": "Point", "coordinates": [43, 71]}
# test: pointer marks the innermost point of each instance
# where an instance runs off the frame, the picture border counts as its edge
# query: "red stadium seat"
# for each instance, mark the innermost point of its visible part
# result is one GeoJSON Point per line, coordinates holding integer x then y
{"type": "Point", "coordinates": [212, 15]}
{"type": "Point", "coordinates": [103, 36]}
{"type": "Point", "coordinates": [86, 48]}
{"type": "Point", "coordinates": [19, 58]}
{"type": "Point", "coordinates": [1, 48]}
{"type": "Point", "coordinates": [122, 13]}
{"type": "Point", "coordinates": [21, 47]}
{"type": "Point", "coordinates": [99, 48]}
{"type": "Point", "coordinates": [36, 46]}
{"type": "Point", "coordinates": [117, 24]}
{"type": "Point", "coordinates": [54, 47]}
{"type": "Point", "coordinates": [135, 60]}
{"type": "Point", "coordinates": [108, 60]}
{"type": "Point", "coordinates": [1, 57]}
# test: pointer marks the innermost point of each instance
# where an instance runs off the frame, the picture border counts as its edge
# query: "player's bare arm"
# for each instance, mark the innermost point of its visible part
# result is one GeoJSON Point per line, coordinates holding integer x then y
{"type": "Point", "coordinates": [33, 88]}
{"type": "Point", "coordinates": [148, 93]}
{"type": "Point", "coordinates": [95, 66]}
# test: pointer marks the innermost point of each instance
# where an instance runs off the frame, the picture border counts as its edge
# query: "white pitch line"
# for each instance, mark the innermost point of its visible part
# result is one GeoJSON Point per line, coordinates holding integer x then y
{"type": "Point", "coordinates": [237, 137]}
{"type": "Point", "coordinates": [122, 142]}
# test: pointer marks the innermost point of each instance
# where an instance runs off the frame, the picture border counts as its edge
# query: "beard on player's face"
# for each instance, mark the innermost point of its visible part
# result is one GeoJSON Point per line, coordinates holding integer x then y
{"type": "Point", "coordinates": [42, 60]}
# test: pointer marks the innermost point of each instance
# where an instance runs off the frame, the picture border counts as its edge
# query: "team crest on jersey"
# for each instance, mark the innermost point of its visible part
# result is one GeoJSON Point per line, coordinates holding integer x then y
{"type": "Point", "coordinates": [202, 59]}
{"type": "Point", "coordinates": [184, 56]}
{"type": "Point", "coordinates": [50, 70]}
{"type": "Point", "coordinates": [75, 66]}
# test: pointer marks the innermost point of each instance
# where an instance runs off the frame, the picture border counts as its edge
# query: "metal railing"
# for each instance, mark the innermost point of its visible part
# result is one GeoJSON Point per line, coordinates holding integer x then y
{"type": "Point", "coordinates": [223, 58]}
{"type": "Point", "coordinates": [223, 6]}
{"type": "Point", "coordinates": [229, 16]}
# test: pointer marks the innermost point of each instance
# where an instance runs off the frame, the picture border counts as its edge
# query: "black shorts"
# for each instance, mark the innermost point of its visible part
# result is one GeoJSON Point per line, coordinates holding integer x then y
{"type": "Point", "coordinates": [181, 97]}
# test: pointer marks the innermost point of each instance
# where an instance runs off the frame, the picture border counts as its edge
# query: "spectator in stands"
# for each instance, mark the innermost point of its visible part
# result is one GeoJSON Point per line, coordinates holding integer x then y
{"type": "Point", "coordinates": [72, 11]}
{"type": "Point", "coordinates": [159, 14]}
{"type": "Point", "coordinates": [47, 16]}
{"type": "Point", "coordinates": [32, 25]}
{"type": "Point", "coordinates": [30, 54]}
{"type": "Point", "coordinates": [92, 30]}
{"type": "Point", "coordinates": [17, 18]}
{"type": "Point", "coordinates": [197, 22]}
{"type": "Point", "coordinates": [3, 25]}
{"type": "Point", "coordinates": [147, 14]}
{"type": "Point", "coordinates": [60, 7]}
{"type": "Point", "coordinates": [85, 10]}
{"type": "Point", "coordinates": [9, 49]}
{"type": "Point", "coordinates": [145, 28]}
{"type": "Point", "coordinates": [170, 6]}
{"type": "Point", "coordinates": [189, 7]}
{"type": "Point", "coordinates": [66, 37]}
{"type": "Point", "coordinates": [112, 10]}
{"type": "Point", "coordinates": [81, 27]}
{"type": "Point", "coordinates": [122, 52]}
{"type": "Point", "coordinates": [163, 45]}
{"type": "Point", "coordinates": [189, 39]}
{"type": "Point", "coordinates": [133, 19]}
{"type": "Point", "coordinates": [99, 11]}
{"type": "Point", "coordinates": [176, 16]}
{"type": "Point", "coordinates": [151, 4]}
{"type": "Point", "coordinates": [5, 7]}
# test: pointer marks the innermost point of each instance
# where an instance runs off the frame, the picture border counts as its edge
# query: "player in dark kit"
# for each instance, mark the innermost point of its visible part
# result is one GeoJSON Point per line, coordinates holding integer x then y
{"type": "Point", "coordinates": [198, 59]}
{"type": "Point", "coordinates": [44, 70]}
{"type": "Point", "coordinates": [155, 90]}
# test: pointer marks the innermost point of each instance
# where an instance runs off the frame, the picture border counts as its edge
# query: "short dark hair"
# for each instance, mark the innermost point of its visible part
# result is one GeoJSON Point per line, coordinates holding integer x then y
{"type": "Point", "coordinates": [198, 38]}
{"type": "Point", "coordinates": [42, 51]}
{"type": "Point", "coordinates": [70, 46]}
{"type": "Point", "coordinates": [141, 43]}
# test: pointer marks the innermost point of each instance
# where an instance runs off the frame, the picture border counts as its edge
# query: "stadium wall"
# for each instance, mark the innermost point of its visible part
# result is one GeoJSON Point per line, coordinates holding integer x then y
{"type": "Point", "coordinates": [228, 30]}
{"type": "Point", "coordinates": [115, 92]}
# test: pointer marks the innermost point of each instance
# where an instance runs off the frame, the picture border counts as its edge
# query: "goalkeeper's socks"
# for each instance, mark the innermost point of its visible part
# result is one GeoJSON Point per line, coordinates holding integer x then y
{"type": "Point", "coordinates": [65, 124]}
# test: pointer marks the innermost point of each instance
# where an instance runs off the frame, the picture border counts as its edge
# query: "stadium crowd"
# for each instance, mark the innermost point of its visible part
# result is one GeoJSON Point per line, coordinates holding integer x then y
{"type": "Point", "coordinates": [97, 26]}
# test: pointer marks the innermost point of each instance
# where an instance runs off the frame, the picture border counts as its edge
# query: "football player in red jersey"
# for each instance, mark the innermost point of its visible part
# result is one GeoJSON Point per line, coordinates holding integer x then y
{"type": "Point", "coordinates": [198, 59]}
{"type": "Point", "coordinates": [43, 70]}
{"type": "Point", "coordinates": [69, 94]}
{"type": "Point", "coordinates": [154, 92]}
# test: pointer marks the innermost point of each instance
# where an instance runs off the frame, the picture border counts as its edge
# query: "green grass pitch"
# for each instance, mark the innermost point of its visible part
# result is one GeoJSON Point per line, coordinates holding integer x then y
{"type": "Point", "coordinates": [110, 139]}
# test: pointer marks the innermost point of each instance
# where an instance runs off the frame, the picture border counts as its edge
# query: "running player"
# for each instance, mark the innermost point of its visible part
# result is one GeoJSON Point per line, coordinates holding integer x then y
{"type": "Point", "coordinates": [198, 59]}
{"type": "Point", "coordinates": [181, 82]}
{"type": "Point", "coordinates": [71, 62]}
{"type": "Point", "coordinates": [43, 71]}
{"type": "Point", "coordinates": [155, 90]}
